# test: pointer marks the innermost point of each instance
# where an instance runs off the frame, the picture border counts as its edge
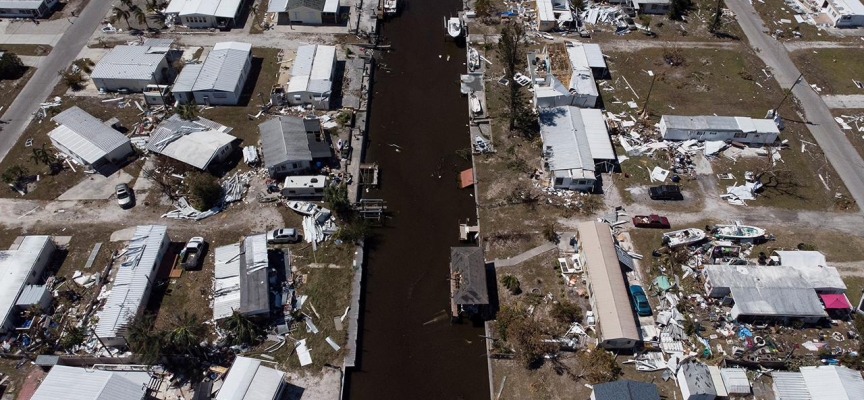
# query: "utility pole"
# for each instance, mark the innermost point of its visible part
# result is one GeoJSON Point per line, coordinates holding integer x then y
{"type": "Point", "coordinates": [644, 113]}
{"type": "Point", "coordinates": [797, 81]}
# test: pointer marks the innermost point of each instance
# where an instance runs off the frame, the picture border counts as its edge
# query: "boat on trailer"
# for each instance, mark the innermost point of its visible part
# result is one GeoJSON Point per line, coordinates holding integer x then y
{"type": "Point", "coordinates": [738, 232]}
{"type": "Point", "coordinates": [683, 237]}
{"type": "Point", "coordinates": [303, 207]}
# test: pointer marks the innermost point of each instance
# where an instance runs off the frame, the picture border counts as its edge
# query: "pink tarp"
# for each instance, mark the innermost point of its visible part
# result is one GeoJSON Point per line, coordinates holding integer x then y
{"type": "Point", "coordinates": [835, 301]}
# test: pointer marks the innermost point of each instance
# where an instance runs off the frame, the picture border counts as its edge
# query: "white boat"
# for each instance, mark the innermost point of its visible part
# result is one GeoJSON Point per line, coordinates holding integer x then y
{"type": "Point", "coordinates": [476, 108]}
{"type": "Point", "coordinates": [738, 232]}
{"type": "Point", "coordinates": [683, 237]}
{"type": "Point", "coordinates": [473, 59]}
{"type": "Point", "coordinates": [303, 207]}
{"type": "Point", "coordinates": [391, 7]}
{"type": "Point", "coordinates": [454, 27]}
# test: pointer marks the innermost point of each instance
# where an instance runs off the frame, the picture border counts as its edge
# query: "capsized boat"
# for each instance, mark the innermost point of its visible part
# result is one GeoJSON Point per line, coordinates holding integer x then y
{"type": "Point", "coordinates": [454, 27]}
{"type": "Point", "coordinates": [473, 59]}
{"type": "Point", "coordinates": [476, 108]}
{"type": "Point", "coordinates": [683, 237]}
{"type": "Point", "coordinates": [303, 207]}
{"type": "Point", "coordinates": [738, 232]}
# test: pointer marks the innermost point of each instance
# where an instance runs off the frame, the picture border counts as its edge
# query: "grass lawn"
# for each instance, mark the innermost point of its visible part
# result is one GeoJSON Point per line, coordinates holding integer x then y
{"type": "Point", "coordinates": [856, 137]}
{"type": "Point", "coordinates": [854, 285]}
{"type": "Point", "coordinates": [795, 183]}
{"type": "Point", "coordinates": [11, 87]}
{"type": "Point", "coordinates": [772, 11]}
{"type": "Point", "coordinates": [261, 78]}
{"type": "Point", "coordinates": [837, 247]}
{"type": "Point", "coordinates": [50, 186]}
{"type": "Point", "coordinates": [27, 49]}
{"type": "Point", "coordinates": [832, 70]}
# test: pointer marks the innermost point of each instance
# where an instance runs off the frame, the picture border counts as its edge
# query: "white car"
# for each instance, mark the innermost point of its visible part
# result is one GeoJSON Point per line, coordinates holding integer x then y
{"type": "Point", "coordinates": [284, 235]}
{"type": "Point", "coordinates": [124, 195]}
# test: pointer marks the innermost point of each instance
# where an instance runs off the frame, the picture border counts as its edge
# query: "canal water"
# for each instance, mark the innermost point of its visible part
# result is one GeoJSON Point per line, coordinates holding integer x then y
{"type": "Point", "coordinates": [408, 347]}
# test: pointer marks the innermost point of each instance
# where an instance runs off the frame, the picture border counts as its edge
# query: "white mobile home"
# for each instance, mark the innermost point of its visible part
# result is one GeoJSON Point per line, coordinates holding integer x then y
{"type": "Point", "coordinates": [71, 383]}
{"type": "Point", "coordinates": [131, 287]}
{"type": "Point", "coordinates": [844, 13]}
{"type": "Point", "coordinates": [308, 12]}
{"type": "Point", "coordinates": [712, 128]}
{"type": "Point", "coordinates": [204, 13]}
{"type": "Point", "coordinates": [575, 140]}
{"type": "Point", "coordinates": [572, 86]}
{"type": "Point", "coordinates": [200, 143]}
{"type": "Point", "coordinates": [20, 267]}
{"type": "Point", "coordinates": [292, 145]}
{"type": "Point", "coordinates": [241, 282]}
{"type": "Point", "coordinates": [607, 288]}
{"type": "Point", "coordinates": [303, 187]}
{"type": "Point", "coordinates": [133, 68]}
{"type": "Point", "coordinates": [312, 76]}
{"type": "Point", "coordinates": [217, 81]}
{"type": "Point", "coordinates": [26, 8]}
{"type": "Point", "coordinates": [248, 379]}
{"type": "Point", "coordinates": [88, 140]}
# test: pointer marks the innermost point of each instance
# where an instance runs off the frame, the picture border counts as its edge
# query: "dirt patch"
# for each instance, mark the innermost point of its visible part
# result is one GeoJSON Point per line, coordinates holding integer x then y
{"type": "Point", "coordinates": [27, 49]}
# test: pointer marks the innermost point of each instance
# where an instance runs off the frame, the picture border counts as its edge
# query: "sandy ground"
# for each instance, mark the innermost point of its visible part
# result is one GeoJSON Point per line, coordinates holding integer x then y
{"type": "Point", "coordinates": [322, 386]}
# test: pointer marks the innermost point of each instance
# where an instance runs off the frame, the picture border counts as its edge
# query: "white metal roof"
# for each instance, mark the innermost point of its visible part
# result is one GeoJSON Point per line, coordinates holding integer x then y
{"type": "Point", "coordinates": [789, 386]}
{"type": "Point", "coordinates": [276, 6]}
{"type": "Point", "coordinates": [797, 258]}
{"type": "Point", "coordinates": [312, 70]}
{"type": "Point", "coordinates": [719, 123]}
{"type": "Point", "coordinates": [776, 276]}
{"type": "Point", "coordinates": [85, 135]}
{"type": "Point", "coordinates": [310, 181]}
{"type": "Point", "coordinates": [31, 294]}
{"type": "Point", "coordinates": [216, 8]}
{"type": "Point", "coordinates": [331, 6]}
{"type": "Point", "coordinates": [249, 380]}
{"type": "Point", "coordinates": [21, 4]}
{"type": "Point", "coordinates": [735, 380]}
{"type": "Point", "coordinates": [565, 135]}
{"type": "Point", "coordinates": [544, 11]}
{"type": "Point", "coordinates": [131, 62]}
{"type": "Point", "coordinates": [608, 287]}
{"type": "Point", "coordinates": [133, 279]}
{"type": "Point", "coordinates": [829, 382]}
{"type": "Point", "coordinates": [15, 268]}
{"type": "Point", "coordinates": [70, 383]}
{"type": "Point", "coordinates": [849, 7]}
{"type": "Point", "coordinates": [226, 285]}
{"type": "Point", "coordinates": [223, 67]}
{"type": "Point", "coordinates": [186, 79]}
{"type": "Point", "coordinates": [764, 301]}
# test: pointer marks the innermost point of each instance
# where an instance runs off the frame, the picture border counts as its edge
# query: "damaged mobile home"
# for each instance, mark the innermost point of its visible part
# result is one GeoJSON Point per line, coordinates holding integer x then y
{"type": "Point", "coordinates": [292, 145]}
{"type": "Point", "coordinates": [200, 143]}
{"type": "Point", "coordinates": [132, 283]}
{"type": "Point", "coordinates": [575, 142]}
{"type": "Point", "coordinates": [21, 269]}
{"type": "Point", "coordinates": [712, 128]}
{"type": "Point", "coordinates": [468, 291]}
{"type": "Point", "coordinates": [241, 281]}
{"type": "Point", "coordinates": [564, 75]}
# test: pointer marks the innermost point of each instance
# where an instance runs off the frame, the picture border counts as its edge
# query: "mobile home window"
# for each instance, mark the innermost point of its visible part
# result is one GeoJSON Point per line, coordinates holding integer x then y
{"type": "Point", "coordinates": [559, 181]}
{"type": "Point", "coordinates": [740, 135]}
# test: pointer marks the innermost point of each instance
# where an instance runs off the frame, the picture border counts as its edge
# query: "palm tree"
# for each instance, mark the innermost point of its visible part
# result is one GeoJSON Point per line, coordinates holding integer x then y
{"type": "Point", "coordinates": [45, 156]}
{"type": "Point", "coordinates": [143, 340]}
{"type": "Point", "coordinates": [127, 3]}
{"type": "Point", "coordinates": [140, 15]}
{"type": "Point", "coordinates": [186, 331]}
{"type": "Point", "coordinates": [119, 13]}
{"type": "Point", "coordinates": [241, 329]}
{"type": "Point", "coordinates": [187, 111]}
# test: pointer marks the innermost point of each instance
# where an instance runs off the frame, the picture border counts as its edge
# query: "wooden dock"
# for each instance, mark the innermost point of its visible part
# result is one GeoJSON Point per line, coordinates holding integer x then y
{"type": "Point", "coordinates": [354, 313]}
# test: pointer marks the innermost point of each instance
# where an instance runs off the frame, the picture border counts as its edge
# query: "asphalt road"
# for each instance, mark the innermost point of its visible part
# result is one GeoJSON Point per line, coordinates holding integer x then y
{"type": "Point", "coordinates": [840, 153]}
{"type": "Point", "coordinates": [20, 112]}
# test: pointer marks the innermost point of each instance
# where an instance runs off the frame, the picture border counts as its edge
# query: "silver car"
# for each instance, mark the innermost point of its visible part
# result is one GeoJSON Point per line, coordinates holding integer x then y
{"type": "Point", "coordinates": [284, 235]}
{"type": "Point", "coordinates": [124, 195]}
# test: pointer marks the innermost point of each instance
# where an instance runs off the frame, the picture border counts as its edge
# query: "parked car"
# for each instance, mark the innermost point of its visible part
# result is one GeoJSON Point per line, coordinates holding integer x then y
{"type": "Point", "coordinates": [651, 221]}
{"type": "Point", "coordinates": [191, 254]}
{"type": "Point", "coordinates": [640, 301]}
{"type": "Point", "coordinates": [284, 235]}
{"type": "Point", "coordinates": [665, 192]}
{"type": "Point", "coordinates": [124, 195]}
